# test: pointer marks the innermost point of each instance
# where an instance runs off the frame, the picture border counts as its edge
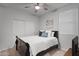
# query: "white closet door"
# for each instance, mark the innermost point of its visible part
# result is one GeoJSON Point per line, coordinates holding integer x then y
{"type": "Point", "coordinates": [18, 27]}
{"type": "Point", "coordinates": [66, 22]}
{"type": "Point", "coordinates": [68, 27]}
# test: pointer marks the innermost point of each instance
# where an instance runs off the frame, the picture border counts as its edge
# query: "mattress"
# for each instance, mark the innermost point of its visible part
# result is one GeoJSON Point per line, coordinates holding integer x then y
{"type": "Point", "coordinates": [38, 44]}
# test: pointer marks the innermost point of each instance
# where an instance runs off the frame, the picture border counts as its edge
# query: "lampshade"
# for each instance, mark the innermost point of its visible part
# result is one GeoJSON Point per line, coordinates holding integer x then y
{"type": "Point", "coordinates": [37, 7]}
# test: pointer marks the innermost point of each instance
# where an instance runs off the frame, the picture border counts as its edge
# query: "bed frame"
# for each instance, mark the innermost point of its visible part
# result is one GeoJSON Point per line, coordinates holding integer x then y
{"type": "Point", "coordinates": [75, 46]}
{"type": "Point", "coordinates": [19, 46]}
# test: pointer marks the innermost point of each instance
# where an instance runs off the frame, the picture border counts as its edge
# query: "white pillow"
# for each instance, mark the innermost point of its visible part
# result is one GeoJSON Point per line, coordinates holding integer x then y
{"type": "Point", "coordinates": [52, 34]}
{"type": "Point", "coordinates": [49, 33]}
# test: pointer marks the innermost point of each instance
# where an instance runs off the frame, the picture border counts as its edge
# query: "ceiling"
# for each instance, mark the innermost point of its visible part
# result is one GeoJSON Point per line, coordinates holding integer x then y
{"type": "Point", "coordinates": [50, 6]}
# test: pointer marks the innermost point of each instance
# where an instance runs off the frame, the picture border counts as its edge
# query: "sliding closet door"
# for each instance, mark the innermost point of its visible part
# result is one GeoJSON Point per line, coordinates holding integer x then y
{"type": "Point", "coordinates": [67, 27]}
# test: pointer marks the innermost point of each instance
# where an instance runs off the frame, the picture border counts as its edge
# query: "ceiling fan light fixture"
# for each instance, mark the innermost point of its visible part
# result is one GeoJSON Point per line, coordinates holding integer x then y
{"type": "Point", "coordinates": [37, 7]}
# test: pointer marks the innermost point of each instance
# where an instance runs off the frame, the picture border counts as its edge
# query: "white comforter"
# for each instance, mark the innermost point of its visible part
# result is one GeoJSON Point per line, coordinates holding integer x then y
{"type": "Point", "coordinates": [38, 44]}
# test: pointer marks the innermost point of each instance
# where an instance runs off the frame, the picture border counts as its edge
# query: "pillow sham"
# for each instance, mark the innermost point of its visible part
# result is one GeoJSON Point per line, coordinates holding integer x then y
{"type": "Point", "coordinates": [49, 33]}
{"type": "Point", "coordinates": [52, 34]}
{"type": "Point", "coordinates": [44, 34]}
{"type": "Point", "coordinates": [40, 32]}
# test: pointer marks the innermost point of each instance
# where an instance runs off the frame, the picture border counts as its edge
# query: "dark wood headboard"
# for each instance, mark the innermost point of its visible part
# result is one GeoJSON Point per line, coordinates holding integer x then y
{"type": "Point", "coordinates": [56, 34]}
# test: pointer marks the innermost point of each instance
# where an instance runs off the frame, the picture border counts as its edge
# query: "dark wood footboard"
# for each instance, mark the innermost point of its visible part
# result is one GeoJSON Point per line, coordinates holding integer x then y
{"type": "Point", "coordinates": [23, 48]}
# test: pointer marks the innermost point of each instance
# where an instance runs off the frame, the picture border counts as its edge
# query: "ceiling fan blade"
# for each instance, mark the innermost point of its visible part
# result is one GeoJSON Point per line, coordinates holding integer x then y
{"type": "Point", "coordinates": [45, 8]}
{"type": "Point", "coordinates": [27, 6]}
{"type": "Point", "coordinates": [45, 4]}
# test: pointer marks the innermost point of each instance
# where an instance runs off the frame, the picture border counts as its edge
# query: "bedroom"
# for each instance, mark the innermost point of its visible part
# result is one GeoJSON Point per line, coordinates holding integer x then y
{"type": "Point", "coordinates": [22, 19]}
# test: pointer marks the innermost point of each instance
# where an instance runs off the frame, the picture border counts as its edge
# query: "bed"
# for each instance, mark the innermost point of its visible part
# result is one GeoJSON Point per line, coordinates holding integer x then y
{"type": "Point", "coordinates": [35, 45]}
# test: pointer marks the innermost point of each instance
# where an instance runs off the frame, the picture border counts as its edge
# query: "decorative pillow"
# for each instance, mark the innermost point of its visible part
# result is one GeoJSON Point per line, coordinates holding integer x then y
{"type": "Point", "coordinates": [49, 33]}
{"type": "Point", "coordinates": [44, 34]}
{"type": "Point", "coordinates": [40, 33]}
{"type": "Point", "coordinates": [52, 34]}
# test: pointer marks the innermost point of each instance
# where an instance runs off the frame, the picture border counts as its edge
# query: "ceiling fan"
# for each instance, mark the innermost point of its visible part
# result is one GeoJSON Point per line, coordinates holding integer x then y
{"type": "Point", "coordinates": [37, 6]}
